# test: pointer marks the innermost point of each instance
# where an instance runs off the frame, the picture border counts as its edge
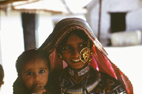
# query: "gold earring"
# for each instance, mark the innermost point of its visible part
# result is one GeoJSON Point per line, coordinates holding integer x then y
{"type": "Point", "coordinates": [60, 56]}
{"type": "Point", "coordinates": [91, 53]}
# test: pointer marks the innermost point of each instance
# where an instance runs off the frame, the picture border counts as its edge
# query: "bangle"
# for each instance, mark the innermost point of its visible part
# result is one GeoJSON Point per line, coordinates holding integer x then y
{"type": "Point", "coordinates": [33, 93]}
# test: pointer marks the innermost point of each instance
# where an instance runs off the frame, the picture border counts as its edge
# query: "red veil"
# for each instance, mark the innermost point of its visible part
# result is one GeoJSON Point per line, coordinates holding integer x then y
{"type": "Point", "coordinates": [100, 61]}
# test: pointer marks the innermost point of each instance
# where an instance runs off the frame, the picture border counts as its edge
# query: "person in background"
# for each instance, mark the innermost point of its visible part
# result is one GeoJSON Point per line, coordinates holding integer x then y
{"type": "Point", "coordinates": [33, 71]}
{"type": "Point", "coordinates": [79, 62]}
{"type": "Point", "coordinates": [1, 75]}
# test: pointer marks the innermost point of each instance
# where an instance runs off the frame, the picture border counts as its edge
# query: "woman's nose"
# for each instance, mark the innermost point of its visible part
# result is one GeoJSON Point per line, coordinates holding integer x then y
{"type": "Point", "coordinates": [76, 53]}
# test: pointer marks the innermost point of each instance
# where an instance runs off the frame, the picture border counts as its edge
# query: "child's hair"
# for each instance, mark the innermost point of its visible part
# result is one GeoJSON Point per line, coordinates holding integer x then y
{"type": "Point", "coordinates": [1, 75]}
{"type": "Point", "coordinates": [30, 55]}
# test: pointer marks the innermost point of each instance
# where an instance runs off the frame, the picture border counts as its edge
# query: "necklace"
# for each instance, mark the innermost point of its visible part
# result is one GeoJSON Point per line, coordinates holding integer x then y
{"type": "Point", "coordinates": [81, 72]}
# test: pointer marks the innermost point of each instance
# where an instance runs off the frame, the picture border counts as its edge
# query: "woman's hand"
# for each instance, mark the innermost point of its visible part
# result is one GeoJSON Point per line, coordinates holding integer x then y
{"type": "Point", "coordinates": [38, 89]}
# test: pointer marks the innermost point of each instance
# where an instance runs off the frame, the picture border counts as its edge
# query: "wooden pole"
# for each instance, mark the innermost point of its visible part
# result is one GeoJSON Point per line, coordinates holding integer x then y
{"type": "Point", "coordinates": [99, 20]}
{"type": "Point", "coordinates": [29, 28]}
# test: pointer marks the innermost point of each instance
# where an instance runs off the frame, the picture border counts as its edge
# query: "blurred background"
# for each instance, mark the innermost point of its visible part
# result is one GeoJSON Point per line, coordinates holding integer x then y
{"type": "Point", "coordinates": [25, 24]}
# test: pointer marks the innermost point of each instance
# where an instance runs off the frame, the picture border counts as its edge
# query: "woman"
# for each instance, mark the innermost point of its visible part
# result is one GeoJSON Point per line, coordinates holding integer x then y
{"type": "Point", "coordinates": [85, 67]}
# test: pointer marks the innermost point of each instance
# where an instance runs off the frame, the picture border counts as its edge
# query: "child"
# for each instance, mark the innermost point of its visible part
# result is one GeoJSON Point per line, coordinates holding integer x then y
{"type": "Point", "coordinates": [33, 70]}
{"type": "Point", "coordinates": [1, 75]}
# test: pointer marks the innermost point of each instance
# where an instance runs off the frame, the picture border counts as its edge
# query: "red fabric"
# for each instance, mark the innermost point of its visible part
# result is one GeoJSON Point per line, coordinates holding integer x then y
{"type": "Point", "coordinates": [123, 79]}
{"type": "Point", "coordinates": [103, 64]}
{"type": "Point", "coordinates": [56, 62]}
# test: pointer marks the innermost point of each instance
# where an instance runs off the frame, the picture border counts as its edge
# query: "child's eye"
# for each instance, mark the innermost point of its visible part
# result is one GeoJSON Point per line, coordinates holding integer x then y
{"type": "Point", "coordinates": [41, 71]}
{"type": "Point", "coordinates": [30, 73]}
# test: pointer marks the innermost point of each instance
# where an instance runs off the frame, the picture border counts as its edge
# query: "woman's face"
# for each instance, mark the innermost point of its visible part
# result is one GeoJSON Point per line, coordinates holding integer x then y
{"type": "Point", "coordinates": [71, 51]}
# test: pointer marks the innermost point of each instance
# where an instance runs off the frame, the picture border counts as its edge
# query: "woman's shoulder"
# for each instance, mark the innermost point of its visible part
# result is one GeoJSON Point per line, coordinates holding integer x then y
{"type": "Point", "coordinates": [107, 83]}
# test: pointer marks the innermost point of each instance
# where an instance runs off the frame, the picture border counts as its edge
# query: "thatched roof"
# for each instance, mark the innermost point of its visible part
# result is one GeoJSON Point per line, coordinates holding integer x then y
{"type": "Point", "coordinates": [52, 6]}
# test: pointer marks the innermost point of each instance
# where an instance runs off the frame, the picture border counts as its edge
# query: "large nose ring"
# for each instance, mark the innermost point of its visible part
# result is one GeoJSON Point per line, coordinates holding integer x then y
{"type": "Point", "coordinates": [85, 54]}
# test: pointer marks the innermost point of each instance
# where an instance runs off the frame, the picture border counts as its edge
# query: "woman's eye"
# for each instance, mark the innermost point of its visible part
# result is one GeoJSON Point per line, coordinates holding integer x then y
{"type": "Point", "coordinates": [66, 48]}
{"type": "Point", "coordinates": [41, 71]}
{"type": "Point", "coordinates": [30, 73]}
{"type": "Point", "coordinates": [83, 45]}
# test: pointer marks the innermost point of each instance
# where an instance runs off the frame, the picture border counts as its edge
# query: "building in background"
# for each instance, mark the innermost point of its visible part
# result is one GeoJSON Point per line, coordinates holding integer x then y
{"type": "Point", "coordinates": [116, 16]}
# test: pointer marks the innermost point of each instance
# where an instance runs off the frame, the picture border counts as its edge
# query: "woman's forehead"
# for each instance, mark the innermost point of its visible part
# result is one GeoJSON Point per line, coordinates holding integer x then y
{"type": "Point", "coordinates": [79, 33]}
{"type": "Point", "coordinates": [73, 37]}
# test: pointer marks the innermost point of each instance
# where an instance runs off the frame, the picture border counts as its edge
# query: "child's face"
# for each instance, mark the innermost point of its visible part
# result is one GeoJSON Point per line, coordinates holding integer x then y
{"type": "Point", "coordinates": [35, 73]}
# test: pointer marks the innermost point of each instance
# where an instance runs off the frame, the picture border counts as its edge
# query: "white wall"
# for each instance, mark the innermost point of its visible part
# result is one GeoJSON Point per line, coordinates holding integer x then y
{"type": "Point", "coordinates": [133, 20]}
{"type": "Point", "coordinates": [11, 46]}
{"type": "Point", "coordinates": [45, 27]}
{"type": "Point", "coordinates": [133, 17]}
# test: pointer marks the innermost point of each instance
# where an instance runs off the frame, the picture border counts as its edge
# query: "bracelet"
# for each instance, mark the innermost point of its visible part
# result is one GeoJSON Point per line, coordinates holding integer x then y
{"type": "Point", "coordinates": [33, 93]}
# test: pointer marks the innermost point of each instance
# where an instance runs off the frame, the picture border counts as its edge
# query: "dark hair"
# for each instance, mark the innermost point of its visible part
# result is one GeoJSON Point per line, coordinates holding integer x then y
{"type": "Point", "coordinates": [1, 75]}
{"type": "Point", "coordinates": [79, 33]}
{"type": "Point", "coordinates": [30, 55]}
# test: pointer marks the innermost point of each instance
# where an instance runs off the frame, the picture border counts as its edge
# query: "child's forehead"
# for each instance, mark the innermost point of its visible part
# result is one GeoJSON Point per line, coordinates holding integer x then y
{"type": "Point", "coordinates": [36, 61]}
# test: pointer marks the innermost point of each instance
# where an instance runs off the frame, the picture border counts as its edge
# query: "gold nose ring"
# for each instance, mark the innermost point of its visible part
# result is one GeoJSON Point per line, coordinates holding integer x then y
{"type": "Point", "coordinates": [85, 54]}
